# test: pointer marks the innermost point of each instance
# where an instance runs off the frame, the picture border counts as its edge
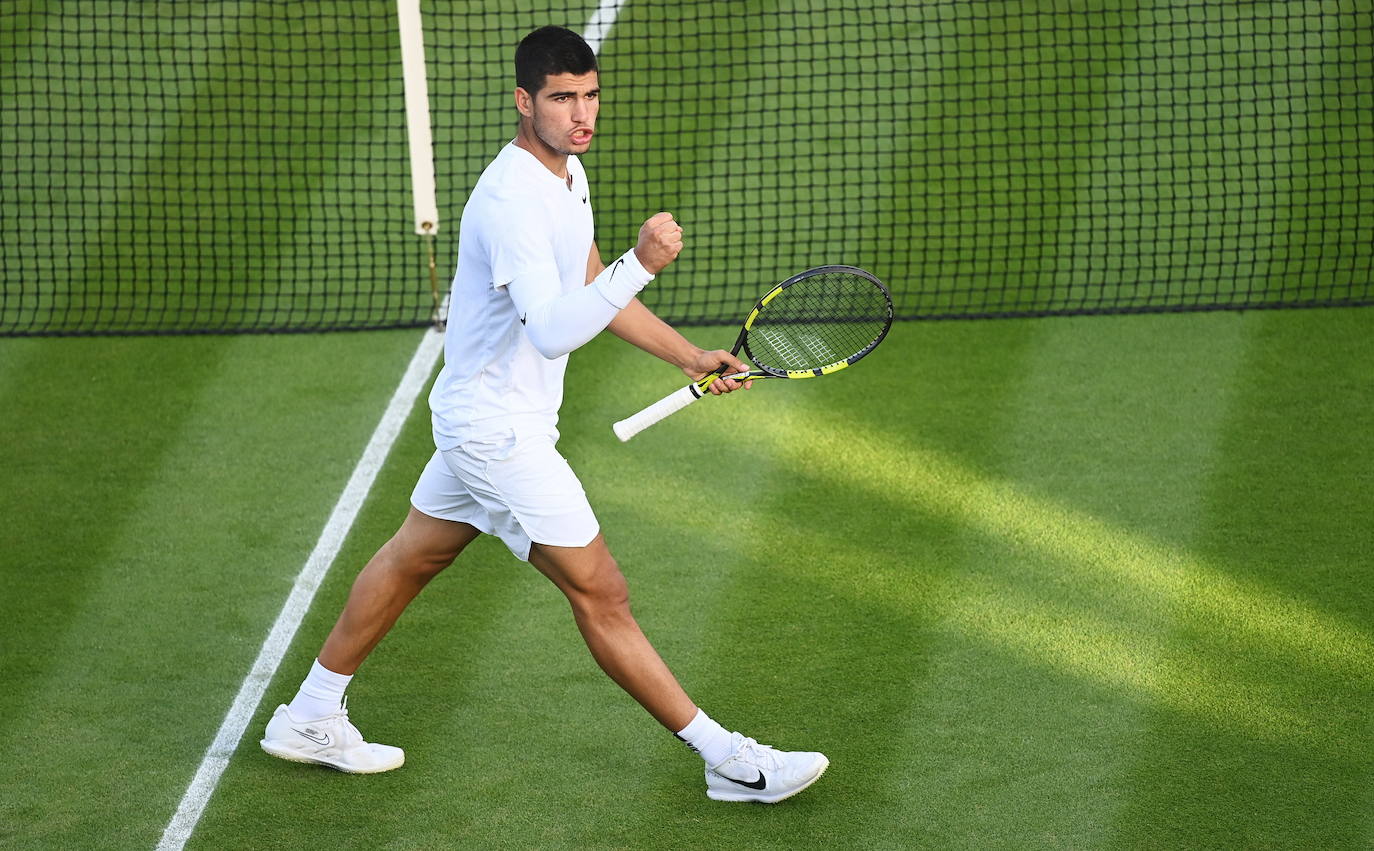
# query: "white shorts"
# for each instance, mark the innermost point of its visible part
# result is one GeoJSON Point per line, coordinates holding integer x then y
{"type": "Point", "coordinates": [519, 490]}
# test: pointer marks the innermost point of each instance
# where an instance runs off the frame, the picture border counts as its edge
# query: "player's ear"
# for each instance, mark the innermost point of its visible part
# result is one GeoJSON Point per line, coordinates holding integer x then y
{"type": "Point", "coordinates": [524, 102]}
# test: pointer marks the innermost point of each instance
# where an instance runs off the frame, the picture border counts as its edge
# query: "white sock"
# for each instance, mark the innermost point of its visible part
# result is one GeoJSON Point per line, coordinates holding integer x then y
{"type": "Point", "coordinates": [321, 694]}
{"type": "Point", "coordinates": [707, 738]}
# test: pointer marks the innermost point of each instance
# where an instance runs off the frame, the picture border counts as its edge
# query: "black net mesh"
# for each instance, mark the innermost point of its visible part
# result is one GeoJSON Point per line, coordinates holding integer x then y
{"type": "Point", "coordinates": [242, 166]}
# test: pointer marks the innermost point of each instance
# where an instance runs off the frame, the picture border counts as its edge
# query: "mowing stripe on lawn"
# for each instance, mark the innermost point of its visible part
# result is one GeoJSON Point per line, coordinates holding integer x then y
{"type": "Point", "coordinates": [302, 593]}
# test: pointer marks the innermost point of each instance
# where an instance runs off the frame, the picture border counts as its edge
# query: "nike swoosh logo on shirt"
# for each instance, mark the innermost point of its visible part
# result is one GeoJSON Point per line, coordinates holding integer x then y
{"type": "Point", "coordinates": [522, 319]}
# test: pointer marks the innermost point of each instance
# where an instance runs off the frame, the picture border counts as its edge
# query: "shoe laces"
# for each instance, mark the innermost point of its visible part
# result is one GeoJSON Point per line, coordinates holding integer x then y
{"type": "Point", "coordinates": [348, 732]}
{"type": "Point", "coordinates": [755, 754]}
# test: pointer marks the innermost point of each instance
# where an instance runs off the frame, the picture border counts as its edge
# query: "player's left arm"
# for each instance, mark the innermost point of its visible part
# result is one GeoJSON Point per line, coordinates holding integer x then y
{"type": "Point", "coordinates": [641, 327]}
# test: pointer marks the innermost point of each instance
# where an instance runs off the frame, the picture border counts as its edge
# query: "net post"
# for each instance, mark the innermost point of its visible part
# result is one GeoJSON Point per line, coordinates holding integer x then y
{"type": "Point", "coordinates": [418, 131]}
{"type": "Point", "coordinates": [436, 318]}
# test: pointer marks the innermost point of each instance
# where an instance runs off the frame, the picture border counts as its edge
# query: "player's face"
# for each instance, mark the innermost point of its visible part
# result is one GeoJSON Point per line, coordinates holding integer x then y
{"type": "Point", "coordinates": [563, 113]}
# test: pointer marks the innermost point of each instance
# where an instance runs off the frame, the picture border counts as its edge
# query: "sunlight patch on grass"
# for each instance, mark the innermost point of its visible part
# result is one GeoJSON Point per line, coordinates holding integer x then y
{"type": "Point", "coordinates": [1162, 584]}
{"type": "Point", "coordinates": [1131, 660]}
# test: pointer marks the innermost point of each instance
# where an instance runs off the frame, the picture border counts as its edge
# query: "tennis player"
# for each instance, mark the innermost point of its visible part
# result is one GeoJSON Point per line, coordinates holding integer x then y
{"type": "Point", "coordinates": [530, 288]}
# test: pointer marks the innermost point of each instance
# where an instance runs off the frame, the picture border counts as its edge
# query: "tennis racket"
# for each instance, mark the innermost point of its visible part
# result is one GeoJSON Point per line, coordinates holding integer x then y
{"type": "Point", "coordinates": [814, 323]}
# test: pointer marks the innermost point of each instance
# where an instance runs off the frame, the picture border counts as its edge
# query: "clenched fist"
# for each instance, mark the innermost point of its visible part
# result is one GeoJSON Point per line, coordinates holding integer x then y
{"type": "Point", "coordinates": [660, 240]}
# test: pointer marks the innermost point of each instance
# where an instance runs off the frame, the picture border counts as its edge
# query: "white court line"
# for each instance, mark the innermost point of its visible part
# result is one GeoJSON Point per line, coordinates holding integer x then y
{"type": "Point", "coordinates": [340, 521]}
{"type": "Point", "coordinates": [302, 593]}
{"type": "Point", "coordinates": [601, 22]}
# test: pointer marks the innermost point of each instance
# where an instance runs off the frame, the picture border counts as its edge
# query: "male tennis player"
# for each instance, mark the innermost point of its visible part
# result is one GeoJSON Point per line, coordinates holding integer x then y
{"type": "Point", "coordinates": [530, 288]}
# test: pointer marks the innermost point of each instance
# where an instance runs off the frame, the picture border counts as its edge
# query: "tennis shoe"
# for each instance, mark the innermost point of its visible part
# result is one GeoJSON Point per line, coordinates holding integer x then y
{"type": "Point", "coordinates": [756, 772]}
{"type": "Point", "coordinates": [331, 741]}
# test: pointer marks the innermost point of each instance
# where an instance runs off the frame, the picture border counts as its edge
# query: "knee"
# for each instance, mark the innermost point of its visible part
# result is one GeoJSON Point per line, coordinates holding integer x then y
{"type": "Point", "coordinates": [417, 562]}
{"type": "Point", "coordinates": [606, 594]}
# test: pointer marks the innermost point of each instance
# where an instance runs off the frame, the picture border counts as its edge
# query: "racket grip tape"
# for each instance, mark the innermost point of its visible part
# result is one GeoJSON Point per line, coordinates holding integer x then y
{"type": "Point", "coordinates": [662, 409]}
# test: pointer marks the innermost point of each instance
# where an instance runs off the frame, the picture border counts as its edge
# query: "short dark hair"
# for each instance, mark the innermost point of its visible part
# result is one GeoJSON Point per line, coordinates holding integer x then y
{"type": "Point", "coordinates": [551, 50]}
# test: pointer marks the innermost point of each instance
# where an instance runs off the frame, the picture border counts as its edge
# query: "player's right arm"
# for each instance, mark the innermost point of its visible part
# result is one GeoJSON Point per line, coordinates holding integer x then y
{"type": "Point", "coordinates": [660, 242]}
{"type": "Point", "coordinates": [558, 322]}
{"type": "Point", "coordinates": [660, 238]}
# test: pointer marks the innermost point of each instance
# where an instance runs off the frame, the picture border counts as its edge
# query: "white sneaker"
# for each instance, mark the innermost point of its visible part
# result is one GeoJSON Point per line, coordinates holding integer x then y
{"type": "Point", "coordinates": [756, 772]}
{"type": "Point", "coordinates": [331, 741]}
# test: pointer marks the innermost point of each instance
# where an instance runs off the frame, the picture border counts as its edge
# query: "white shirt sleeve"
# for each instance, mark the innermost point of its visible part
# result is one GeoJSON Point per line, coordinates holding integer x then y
{"type": "Point", "coordinates": [522, 261]}
{"type": "Point", "coordinates": [523, 248]}
{"type": "Point", "coordinates": [556, 323]}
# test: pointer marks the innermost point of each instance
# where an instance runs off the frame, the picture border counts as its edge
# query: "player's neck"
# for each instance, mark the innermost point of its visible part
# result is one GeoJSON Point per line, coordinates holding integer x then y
{"type": "Point", "coordinates": [551, 159]}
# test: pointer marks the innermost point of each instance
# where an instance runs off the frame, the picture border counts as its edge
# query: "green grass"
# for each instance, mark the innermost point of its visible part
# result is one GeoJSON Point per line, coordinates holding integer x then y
{"type": "Point", "coordinates": [1088, 583]}
{"type": "Point", "coordinates": [1054, 583]}
{"type": "Point", "coordinates": [138, 558]}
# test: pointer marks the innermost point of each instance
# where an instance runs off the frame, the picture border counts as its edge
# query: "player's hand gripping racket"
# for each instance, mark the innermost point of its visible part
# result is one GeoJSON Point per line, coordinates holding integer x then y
{"type": "Point", "coordinates": [813, 323]}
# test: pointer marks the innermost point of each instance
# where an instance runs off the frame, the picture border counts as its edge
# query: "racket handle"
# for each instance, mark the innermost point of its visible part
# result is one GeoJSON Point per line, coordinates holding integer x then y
{"type": "Point", "coordinates": [662, 409]}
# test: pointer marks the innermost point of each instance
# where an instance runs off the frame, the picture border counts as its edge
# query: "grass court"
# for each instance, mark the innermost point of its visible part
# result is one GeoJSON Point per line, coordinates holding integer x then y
{"type": "Point", "coordinates": [1088, 582]}
{"type": "Point", "coordinates": [1079, 582]}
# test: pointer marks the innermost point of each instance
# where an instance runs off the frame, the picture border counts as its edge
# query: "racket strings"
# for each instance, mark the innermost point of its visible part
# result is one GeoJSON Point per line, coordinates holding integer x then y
{"type": "Point", "coordinates": [819, 321]}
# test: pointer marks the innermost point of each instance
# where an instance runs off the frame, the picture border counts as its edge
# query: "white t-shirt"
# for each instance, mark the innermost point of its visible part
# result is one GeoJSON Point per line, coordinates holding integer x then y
{"type": "Point", "coordinates": [522, 222]}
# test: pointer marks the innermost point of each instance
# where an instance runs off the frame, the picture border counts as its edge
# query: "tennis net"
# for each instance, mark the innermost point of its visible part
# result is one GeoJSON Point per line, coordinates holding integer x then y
{"type": "Point", "coordinates": [193, 166]}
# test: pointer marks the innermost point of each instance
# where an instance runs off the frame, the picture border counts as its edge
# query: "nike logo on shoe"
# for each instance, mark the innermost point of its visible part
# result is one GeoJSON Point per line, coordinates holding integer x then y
{"type": "Point", "coordinates": [760, 783]}
{"type": "Point", "coordinates": [321, 739]}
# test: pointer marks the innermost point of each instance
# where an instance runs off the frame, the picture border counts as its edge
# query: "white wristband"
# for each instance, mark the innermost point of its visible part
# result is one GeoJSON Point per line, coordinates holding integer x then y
{"type": "Point", "coordinates": [621, 281]}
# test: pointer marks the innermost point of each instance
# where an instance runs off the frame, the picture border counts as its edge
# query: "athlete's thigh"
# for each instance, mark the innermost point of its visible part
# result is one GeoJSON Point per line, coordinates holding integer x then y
{"type": "Point", "coordinates": [433, 539]}
{"type": "Point", "coordinates": [579, 570]}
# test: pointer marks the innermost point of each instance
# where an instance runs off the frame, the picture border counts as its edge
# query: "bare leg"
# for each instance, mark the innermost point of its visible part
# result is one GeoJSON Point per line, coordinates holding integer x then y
{"type": "Point", "coordinates": [600, 600]}
{"type": "Point", "coordinates": [418, 552]}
